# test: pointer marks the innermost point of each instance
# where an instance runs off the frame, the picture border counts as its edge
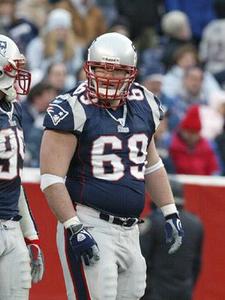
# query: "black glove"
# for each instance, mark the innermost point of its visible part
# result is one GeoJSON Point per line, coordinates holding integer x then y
{"type": "Point", "coordinates": [174, 232]}
{"type": "Point", "coordinates": [83, 244]}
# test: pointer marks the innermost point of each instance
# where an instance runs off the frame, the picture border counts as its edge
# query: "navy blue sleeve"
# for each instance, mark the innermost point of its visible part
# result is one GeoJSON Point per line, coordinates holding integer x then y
{"type": "Point", "coordinates": [18, 112]}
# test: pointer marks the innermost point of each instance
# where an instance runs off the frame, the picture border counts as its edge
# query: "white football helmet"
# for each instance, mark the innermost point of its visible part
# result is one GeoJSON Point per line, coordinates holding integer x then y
{"type": "Point", "coordinates": [13, 79]}
{"type": "Point", "coordinates": [111, 51]}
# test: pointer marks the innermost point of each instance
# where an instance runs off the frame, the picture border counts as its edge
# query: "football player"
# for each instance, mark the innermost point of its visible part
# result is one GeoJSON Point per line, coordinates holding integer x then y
{"type": "Point", "coordinates": [97, 157]}
{"type": "Point", "coordinates": [20, 254]}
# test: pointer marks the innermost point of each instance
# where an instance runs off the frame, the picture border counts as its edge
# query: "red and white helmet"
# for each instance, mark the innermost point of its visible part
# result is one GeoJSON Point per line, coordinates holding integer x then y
{"type": "Point", "coordinates": [13, 78]}
{"type": "Point", "coordinates": [111, 51]}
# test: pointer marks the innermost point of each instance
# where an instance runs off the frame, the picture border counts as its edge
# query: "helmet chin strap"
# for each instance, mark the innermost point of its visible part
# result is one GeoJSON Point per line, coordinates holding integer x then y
{"type": "Point", "coordinates": [10, 93]}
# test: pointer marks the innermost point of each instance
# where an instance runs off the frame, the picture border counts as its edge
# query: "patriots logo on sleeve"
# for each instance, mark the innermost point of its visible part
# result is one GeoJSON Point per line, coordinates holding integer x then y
{"type": "Point", "coordinates": [3, 46]}
{"type": "Point", "coordinates": [57, 113]}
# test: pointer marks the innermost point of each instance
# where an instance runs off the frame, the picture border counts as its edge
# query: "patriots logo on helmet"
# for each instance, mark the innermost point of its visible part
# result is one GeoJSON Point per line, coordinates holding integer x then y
{"type": "Point", "coordinates": [57, 113]}
{"type": "Point", "coordinates": [3, 46]}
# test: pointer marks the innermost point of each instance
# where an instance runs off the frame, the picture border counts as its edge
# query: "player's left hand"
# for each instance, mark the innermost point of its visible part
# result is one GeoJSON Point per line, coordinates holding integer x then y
{"type": "Point", "coordinates": [37, 260]}
{"type": "Point", "coordinates": [174, 232]}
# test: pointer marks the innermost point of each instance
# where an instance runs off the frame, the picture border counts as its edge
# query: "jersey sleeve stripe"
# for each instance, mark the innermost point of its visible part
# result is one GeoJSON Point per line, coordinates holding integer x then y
{"type": "Point", "coordinates": [79, 114]}
{"type": "Point", "coordinates": [155, 105]}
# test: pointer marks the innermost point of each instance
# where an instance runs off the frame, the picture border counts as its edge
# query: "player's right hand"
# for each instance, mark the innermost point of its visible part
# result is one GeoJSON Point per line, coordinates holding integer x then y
{"type": "Point", "coordinates": [83, 244]}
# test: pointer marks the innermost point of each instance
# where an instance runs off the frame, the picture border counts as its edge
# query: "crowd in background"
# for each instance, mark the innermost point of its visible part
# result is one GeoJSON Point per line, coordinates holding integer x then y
{"type": "Point", "coordinates": [181, 59]}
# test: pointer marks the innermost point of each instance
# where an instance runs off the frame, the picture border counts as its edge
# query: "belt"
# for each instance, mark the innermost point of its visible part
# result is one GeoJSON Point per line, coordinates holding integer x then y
{"type": "Point", "coordinates": [15, 218]}
{"type": "Point", "coordinates": [127, 222]}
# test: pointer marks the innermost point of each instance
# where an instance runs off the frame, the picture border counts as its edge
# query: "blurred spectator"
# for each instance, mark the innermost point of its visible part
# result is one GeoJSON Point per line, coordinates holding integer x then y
{"type": "Point", "coordinates": [21, 30]}
{"type": "Point", "coordinates": [189, 151]}
{"type": "Point", "coordinates": [220, 142]}
{"type": "Point", "coordinates": [35, 106]}
{"type": "Point", "coordinates": [87, 19]}
{"type": "Point", "coordinates": [213, 115]}
{"type": "Point", "coordinates": [109, 10]}
{"type": "Point", "coordinates": [34, 109]}
{"type": "Point", "coordinates": [35, 11]}
{"type": "Point", "coordinates": [192, 88]}
{"type": "Point", "coordinates": [81, 75]}
{"type": "Point", "coordinates": [176, 28]}
{"type": "Point", "coordinates": [140, 14]}
{"type": "Point", "coordinates": [191, 92]}
{"type": "Point", "coordinates": [57, 44]}
{"type": "Point", "coordinates": [212, 45]}
{"type": "Point", "coordinates": [144, 18]}
{"type": "Point", "coordinates": [172, 277]}
{"type": "Point", "coordinates": [153, 82]}
{"type": "Point", "coordinates": [199, 13]}
{"type": "Point", "coordinates": [121, 26]}
{"type": "Point", "coordinates": [58, 78]}
{"type": "Point", "coordinates": [186, 57]}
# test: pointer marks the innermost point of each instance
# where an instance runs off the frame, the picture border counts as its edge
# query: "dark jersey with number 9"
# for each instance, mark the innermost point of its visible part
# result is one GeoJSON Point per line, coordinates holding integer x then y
{"type": "Point", "coordinates": [107, 169]}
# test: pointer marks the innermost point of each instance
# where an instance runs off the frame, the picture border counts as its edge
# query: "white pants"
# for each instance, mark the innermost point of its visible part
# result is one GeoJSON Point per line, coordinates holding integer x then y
{"type": "Point", "coordinates": [120, 273]}
{"type": "Point", "coordinates": [15, 272]}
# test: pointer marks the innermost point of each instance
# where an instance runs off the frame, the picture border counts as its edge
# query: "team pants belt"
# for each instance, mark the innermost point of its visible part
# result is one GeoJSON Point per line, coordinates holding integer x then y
{"type": "Point", "coordinates": [127, 222]}
{"type": "Point", "coordinates": [15, 218]}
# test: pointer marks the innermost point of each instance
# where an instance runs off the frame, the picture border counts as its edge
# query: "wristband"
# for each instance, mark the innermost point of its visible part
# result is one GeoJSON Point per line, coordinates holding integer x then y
{"type": "Point", "coordinates": [50, 179]}
{"type": "Point", "coordinates": [29, 241]}
{"type": "Point", "coordinates": [169, 209]}
{"type": "Point", "coordinates": [71, 221]}
{"type": "Point", "coordinates": [32, 237]}
{"type": "Point", "coordinates": [155, 167]}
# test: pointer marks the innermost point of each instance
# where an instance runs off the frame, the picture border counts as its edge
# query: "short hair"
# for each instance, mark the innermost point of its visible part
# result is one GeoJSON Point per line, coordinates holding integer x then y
{"type": "Point", "coordinates": [180, 51]}
{"type": "Point", "coordinates": [38, 89]}
{"type": "Point", "coordinates": [188, 70]}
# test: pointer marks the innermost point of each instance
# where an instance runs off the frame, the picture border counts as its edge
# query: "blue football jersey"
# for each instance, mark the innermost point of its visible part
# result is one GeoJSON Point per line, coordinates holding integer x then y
{"type": "Point", "coordinates": [107, 169]}
{"type": "Point", "coordinates": [11, 159]}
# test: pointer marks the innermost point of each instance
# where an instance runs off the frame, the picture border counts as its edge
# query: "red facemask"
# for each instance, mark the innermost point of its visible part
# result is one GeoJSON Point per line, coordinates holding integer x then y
{"type": "Point", "coordinates": [22, 77]}
{"type": "Point", "coordinates": [106, 89]}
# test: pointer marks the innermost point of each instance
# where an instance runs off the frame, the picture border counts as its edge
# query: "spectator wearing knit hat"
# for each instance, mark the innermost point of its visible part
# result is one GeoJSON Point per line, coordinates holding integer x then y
{"type": "Point", "coordinates": [57, 44]}
{"type": "Point", "coordinates": [189, 151]}
{"type": "Point", "coordinates": [88, 20]}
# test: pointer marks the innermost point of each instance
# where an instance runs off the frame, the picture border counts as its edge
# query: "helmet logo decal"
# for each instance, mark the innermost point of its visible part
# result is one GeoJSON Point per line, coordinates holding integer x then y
{"type": "Point", "coordinates": [3, 46]}
{"type": "Point", "coordinates": [108, 59]}
{"type": "Point", "coordinates": [57, 113]}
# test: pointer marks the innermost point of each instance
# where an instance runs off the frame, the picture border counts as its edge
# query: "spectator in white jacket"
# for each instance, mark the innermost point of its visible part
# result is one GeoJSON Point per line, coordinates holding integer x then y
{"type": "Point", "coordinates": [184, 58]}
